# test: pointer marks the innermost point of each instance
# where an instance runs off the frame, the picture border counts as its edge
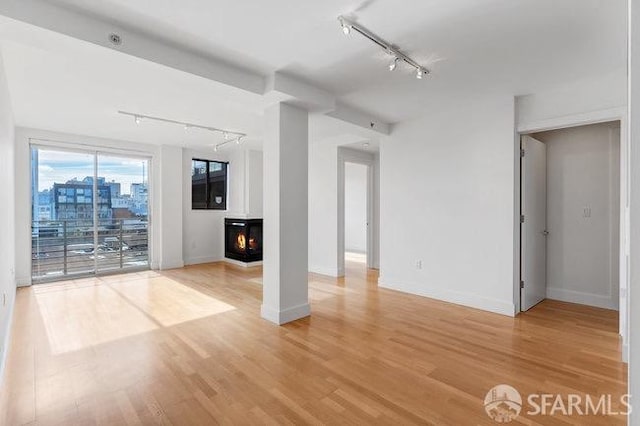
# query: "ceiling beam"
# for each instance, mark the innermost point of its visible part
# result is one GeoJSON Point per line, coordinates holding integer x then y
{"type": "Point", "coordinates": [278, 87]}
{"type": "Point", "coordinates": [90, 29]}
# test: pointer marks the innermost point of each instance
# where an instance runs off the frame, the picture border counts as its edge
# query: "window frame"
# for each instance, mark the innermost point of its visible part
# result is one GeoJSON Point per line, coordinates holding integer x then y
{"type": "Point", "coordinates": [208, 204]}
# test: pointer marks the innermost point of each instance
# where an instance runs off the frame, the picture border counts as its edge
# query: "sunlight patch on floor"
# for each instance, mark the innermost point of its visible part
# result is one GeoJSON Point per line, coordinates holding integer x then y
{"type": "Point", "coordinates": [355, 257]}
{"type": "Point", "coordinates": [79, 315]}
{"type": "Point", "coordinates": [257, 280]}
{"type": "Point", "coordinates": [77, 318]}
{"type": "Point", "coordinates": [168, 302]}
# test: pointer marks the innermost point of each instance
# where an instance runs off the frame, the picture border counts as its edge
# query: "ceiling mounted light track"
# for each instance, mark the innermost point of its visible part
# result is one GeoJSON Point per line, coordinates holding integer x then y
{"type": "Point", "coordinates": [349, 26]}
{"type": "Point", "coordinates": [228, 135]}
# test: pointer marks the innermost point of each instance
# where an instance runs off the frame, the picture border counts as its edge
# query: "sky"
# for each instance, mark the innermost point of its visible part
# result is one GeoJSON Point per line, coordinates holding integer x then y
{"type": "Point", "coordinates": [60, 167]}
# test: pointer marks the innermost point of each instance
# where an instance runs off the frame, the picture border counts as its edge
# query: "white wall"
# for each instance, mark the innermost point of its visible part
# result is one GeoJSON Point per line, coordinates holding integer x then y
{"type": "Point", "coordinates": [579, 97]}
{"type": "Point", "coordinates": [7, 219]}
{"type": "Point", "coordinates": [355, 207]}
{"type": "Point", "coordinates": [323, 208]}
{"type": "Point", "coordinates": [245, 182]}
{"type": "Point", "coordinates": [447, 198]}
{"type": "Point", "coordinates": [583, 172]}
{"type": "Point", "coordinates": [203, 230]}
{"type": "Point", "coordinates": [254, 183]}
{"type": "Point", "coordinates": [326, 236]}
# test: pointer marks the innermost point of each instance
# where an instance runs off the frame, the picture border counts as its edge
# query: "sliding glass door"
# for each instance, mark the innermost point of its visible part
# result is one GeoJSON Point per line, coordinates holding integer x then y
{"type": "Point", "coordinates": [123, 216]}
{"type": "Point", "coordinates": [89, 213]}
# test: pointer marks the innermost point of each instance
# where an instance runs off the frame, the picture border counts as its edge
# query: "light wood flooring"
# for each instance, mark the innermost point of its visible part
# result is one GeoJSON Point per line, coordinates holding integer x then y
{"type": "Point", "coordinates": [188, 347]}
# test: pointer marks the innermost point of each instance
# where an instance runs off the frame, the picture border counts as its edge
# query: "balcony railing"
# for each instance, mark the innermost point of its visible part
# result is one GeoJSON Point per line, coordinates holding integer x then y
{"type": "Point", "coordinates": [66, 248]}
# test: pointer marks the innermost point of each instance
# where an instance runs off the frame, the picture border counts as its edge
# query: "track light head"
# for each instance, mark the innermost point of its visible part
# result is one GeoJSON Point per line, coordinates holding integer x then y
{"type": "Point", "coordinates": [137, 119]}
{"type": "Point", "coordinates": [346, 27]}
{"type": "Point", "coordinates": [215, 148]}
{"type": "Point", "coordinates": [390, 49]}
{"type": "Point", "coordinates": [393, 64]}
{"type": "Point", "coordinates": [225, 135]}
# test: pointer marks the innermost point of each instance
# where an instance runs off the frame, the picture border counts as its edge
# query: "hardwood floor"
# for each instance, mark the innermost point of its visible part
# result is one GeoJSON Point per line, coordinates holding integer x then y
{"type": "Point", "coordinates": [188, 347]}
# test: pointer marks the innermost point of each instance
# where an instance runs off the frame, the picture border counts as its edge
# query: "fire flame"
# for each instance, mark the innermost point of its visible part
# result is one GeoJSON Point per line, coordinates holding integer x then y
{"type": "Point", "coordinates": [241, 242]}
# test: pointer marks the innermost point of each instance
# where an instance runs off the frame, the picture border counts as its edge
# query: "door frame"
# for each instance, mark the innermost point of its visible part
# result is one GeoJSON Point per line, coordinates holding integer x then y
{"type": "Point", "coordinates": [595, 117]}
{"type": "Point", "coordinates": [346, 155]}
{"type": "Point", "coordinates": [523, 235]}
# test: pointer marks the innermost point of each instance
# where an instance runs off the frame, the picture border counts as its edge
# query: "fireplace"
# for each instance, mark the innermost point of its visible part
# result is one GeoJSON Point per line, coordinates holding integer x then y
{"type": "Point", "coordinates": [243, 239]}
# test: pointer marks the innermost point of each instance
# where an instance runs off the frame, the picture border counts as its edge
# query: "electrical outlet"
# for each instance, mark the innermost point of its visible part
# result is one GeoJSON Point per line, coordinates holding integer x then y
{"type": "Point", "coordinates": [419, 264]}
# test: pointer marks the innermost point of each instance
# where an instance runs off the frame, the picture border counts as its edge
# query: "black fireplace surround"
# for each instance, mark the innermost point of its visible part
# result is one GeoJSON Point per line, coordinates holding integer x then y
{"type": "Point", "coordinates": [243, 239]}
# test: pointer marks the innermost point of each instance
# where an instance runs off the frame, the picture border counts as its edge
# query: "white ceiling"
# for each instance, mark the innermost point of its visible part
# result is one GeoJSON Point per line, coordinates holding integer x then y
{"type": "Point", "coordinates": [517, 45]}
{"type": "Point", "coordinates": [474, 46]}
{"type": "Point", "coordinates": [63, 84]}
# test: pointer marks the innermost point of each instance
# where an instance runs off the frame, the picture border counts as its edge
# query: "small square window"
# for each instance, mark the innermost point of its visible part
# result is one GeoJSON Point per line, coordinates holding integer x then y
{"type": "Point", "coordinates": [208, 185]}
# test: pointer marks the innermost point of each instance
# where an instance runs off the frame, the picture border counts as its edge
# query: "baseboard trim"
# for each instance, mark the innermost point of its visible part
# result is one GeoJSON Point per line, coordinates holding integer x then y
{"type": "Point", "coordinates": [356, 251]}
{"type": "Point", "coordinates": [287, 315]}
{"type": "Point", "coordinates": [581, 298]}
{"type": "Point", "coordinates": [242, 264]}
{"type": "Point", "coordinates": [7, 342]}
{"type": "Point", "coordinates": [459, 298]}
{"type": "Point", "coordinates": [329, 272]}
{"type": "Point", "coordinates": [23, 282]}
{"type": "Point", "coordinates": [172, 264]}
{"type": "Point", "coordinates": [202, 259]}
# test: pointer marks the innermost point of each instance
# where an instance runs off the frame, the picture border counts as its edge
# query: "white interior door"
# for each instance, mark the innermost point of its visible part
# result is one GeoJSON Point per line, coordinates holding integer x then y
{"type": "Point", "coordinates": [533, 223]}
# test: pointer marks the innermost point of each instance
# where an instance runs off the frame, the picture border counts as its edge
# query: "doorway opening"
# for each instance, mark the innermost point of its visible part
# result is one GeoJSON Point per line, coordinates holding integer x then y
{"type": "Point", "coordinates": [570, 216]}
{"type": "Point", "coordinates": [90, 213]}
{"type": "Point", "coordinates": [356, 212]}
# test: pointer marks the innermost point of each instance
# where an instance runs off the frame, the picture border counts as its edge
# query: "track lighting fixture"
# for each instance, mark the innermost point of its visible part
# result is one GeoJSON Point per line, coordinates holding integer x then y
{"type": "Point", "coordinates": [393, 64]}
{"type": "Point", "coordinates": [398, 55]}
{"type": "Point", "coordinates": [229, 136]}
{"type": "Point", "coordinates": [237, 140]}
{"type": "Point", "coordinates": [346, 27]}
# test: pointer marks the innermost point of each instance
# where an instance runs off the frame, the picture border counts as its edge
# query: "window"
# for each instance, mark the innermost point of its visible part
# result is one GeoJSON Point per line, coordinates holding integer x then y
{"type": "Point", "coordinates": [208, 185]}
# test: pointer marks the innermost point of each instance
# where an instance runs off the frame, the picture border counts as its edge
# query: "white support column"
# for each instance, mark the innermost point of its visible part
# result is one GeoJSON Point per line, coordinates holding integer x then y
{"type": "Point", "coordinates": [634, 191]}
{"type": "Point", "coordinates": [170, 214]}
{"type": "Point", "coordinates": [286, 148]}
